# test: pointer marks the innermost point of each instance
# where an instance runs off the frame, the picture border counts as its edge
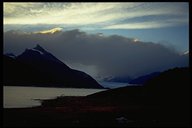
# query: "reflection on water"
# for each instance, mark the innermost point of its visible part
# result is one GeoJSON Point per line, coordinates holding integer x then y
{"type": "Point", "coordinates": [14, 97]}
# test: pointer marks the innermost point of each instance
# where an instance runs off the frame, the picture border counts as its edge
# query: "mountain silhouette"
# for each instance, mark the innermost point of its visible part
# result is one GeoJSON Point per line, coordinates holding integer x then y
{"type": "Point", "coordinates": [144, 78]}
{"type": "Point", "coordinates": [126, 79]}
{"type": "Point", "coordinates": [121, 79]}
{"type": "Point", "coordinates": [166, 97]}
{"type": "Point", "coordinates": [170, 87]}
{"type": "Point", "coordinates": [38, 67]}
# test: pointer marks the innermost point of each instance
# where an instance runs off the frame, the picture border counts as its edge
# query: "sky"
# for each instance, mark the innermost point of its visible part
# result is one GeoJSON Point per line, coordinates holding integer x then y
{"type": "Point", "coordinates": [159, 22]}
{"type": "Point", "coordinates": [161, 25]}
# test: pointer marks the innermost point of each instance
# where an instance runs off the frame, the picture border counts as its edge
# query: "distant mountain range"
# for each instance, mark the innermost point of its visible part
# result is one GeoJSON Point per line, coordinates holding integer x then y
{"type": "Point", "coordinates": [121, 79]}
{"type": "Point", "coordinates": [144, 78]}
{"type": "Point", "coordinates": [166, 97]}
{"type": "Point", "coordinates": [38, 67]}
{"type": "Point", "coordinates": [126, 79]}
{"type": "Point", "coordinates": [169, 86]}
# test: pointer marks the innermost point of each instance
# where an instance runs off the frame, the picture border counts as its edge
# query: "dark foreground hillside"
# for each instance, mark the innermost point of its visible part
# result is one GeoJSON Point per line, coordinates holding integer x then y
{"type": "Point", "coordinates": [162, 101]}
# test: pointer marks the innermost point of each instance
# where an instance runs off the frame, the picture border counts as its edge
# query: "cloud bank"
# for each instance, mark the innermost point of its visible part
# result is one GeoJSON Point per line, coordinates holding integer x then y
{"type": "Point", "coordinates": [97, 54]}
{"type": "Point", "coordinates": [103, 15]}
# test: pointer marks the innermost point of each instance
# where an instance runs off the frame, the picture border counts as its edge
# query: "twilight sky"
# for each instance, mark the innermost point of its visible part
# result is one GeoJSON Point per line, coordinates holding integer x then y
{"type": "Point", "coordinates": [157, 24]}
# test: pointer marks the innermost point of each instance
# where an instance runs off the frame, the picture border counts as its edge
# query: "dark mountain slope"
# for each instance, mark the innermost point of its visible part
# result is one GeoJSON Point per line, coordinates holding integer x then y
{"type": "Point", "coordinates": [164, 99]}
{"type": "Point", "coordinates": [19, 73]}
{"type": "Point", "coordinates": [37, 67]}
{"type": "Point", "coordinates": [172, 86]}
{"type": "Point", "coordinates": [173, 83]}
{"type": "Point", "coordinates": [145, 78]}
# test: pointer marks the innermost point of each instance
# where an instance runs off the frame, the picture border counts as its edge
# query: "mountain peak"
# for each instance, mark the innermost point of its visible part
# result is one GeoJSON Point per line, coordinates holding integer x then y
{"type": "Point", "coordinates": [38, 52]}
{"type": "Point", "coordinates": [39, 49]}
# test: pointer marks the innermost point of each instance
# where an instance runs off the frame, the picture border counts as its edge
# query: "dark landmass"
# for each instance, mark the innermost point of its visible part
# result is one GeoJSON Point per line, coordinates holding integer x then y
{"type": "Point", "coordinates": [126, 79]}
{"type": "Point", "coordinates": [121, 79]}
{"type": "Point", "coordinates": [162, 101]}
{"type": "Point", "coordinates": [144, 78]}
{"type": "Point", "coordinates": [37, 67]}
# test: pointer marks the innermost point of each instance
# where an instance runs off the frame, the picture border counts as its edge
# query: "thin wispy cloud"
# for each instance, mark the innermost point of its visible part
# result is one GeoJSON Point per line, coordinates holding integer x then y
{"type": "Point", "coordinates": [149, 24]}
{"type": "Point", "coordinates": [99, 15]}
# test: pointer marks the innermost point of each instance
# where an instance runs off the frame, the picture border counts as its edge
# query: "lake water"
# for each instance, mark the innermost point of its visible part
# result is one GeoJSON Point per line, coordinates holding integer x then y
{"type": "Point", "coordinates": [114, 84]}
{"type": "Point", "coordinates": [19, 97]}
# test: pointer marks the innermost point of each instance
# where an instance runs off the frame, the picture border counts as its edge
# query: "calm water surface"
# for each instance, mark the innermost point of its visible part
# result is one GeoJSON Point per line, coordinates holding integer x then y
{"type": "Point", "coordinates": [19, 97]}
{"type": "Point", "coordinates": [112, 85]}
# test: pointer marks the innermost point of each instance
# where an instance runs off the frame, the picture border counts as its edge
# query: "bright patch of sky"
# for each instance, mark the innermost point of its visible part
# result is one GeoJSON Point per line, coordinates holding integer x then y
{"type": "Point", "coordinates": [159, 22]}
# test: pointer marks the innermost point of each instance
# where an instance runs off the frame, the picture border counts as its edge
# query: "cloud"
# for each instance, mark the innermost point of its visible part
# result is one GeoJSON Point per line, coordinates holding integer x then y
{"type": "Point", "coordinates": [148, 25]}
{"type": "Point", "coordinates": [50, 31]}
{"type": "Point", "coordinates": [98, 54]}
{"type": "Point", "coordinates": [103, 15]}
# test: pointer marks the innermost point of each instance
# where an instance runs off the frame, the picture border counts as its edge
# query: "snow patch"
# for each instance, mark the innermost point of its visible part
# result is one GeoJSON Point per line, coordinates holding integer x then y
{"type": "Point", "coordinates": [187, 52]}
{"type": "Point", "coordinates": [10, 55]}
{"type": "Point", "coordinates": [38, 51]}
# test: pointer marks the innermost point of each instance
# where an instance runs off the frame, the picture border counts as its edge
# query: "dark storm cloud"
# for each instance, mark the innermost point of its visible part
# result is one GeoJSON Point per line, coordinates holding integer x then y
{"type": "Point", "coordinates": [111, 55]}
